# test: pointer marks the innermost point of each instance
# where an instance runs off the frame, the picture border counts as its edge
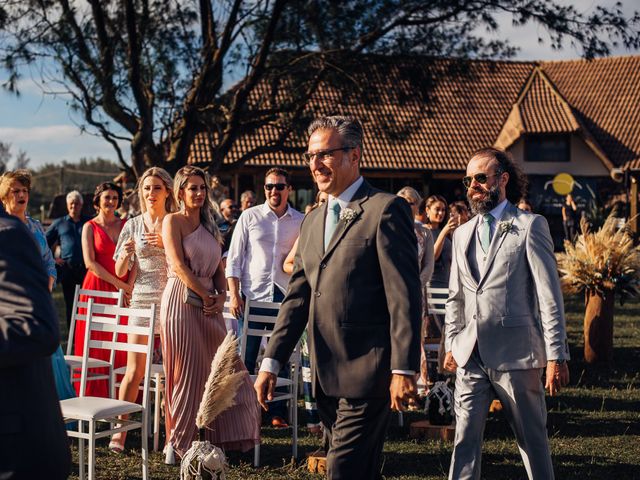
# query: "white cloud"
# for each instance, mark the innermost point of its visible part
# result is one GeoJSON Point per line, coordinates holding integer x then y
{"type": "Point", "coordinates": [526, 37]}
{"type": "Point", "coordinates": [51, 133]}
{"type": "Point", "coordinates": [54, 143]}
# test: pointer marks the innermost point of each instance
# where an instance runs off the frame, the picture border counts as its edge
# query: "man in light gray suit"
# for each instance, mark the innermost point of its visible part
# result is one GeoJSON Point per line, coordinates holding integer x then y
{"type": "Point", "coordinates": [355, 283]}
{"type": "Point", "coordinates": [504, 318]}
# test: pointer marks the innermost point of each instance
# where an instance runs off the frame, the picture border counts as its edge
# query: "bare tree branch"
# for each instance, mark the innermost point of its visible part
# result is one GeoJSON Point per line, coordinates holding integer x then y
{"type": "Point", "coordinates": [251, 81]}
{"type": "Point", "coordinates": [142, 145]}
{"type": "Point", "coordinates": [208, 29]}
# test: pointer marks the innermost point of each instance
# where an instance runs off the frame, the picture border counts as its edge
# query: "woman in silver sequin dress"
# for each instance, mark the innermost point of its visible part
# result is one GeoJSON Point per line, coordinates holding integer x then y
{"type": "Point", "coordinates": [140, 250]}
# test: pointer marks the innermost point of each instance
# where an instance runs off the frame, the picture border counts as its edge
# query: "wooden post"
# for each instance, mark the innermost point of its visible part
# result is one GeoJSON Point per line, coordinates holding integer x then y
{"type": "Point", "coordinates": [634, 203]}
{"type": "Point", "coordinates": [236, 185]}
{"type": "Point", "coordinates": [61, 180]}
{"type": "Point", "coordinates": [317, 462]}
{"type": "Point", "coordinates": [423, 429]}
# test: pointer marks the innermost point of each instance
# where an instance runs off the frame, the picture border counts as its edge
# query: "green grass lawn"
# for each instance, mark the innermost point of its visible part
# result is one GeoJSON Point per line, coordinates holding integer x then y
{"type": "Point", "coordinates": [594, 427]}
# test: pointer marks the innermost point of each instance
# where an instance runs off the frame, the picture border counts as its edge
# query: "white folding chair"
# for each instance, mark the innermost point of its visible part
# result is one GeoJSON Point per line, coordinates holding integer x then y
{"type": "Point", "coordinates": [437, 299]}
{"type": "Point", "coordinates": [75, 361]}
{"type": "Point", "coordinates": [156, 388]}
{"type": "Point", "coordinates": [98, 410]}
{"type": "Point", "coordinates": [230, 322]}
{"type": "Point", "coordinates": [291, 383]}
{"type": "Point", "coordinates": [436, 303]}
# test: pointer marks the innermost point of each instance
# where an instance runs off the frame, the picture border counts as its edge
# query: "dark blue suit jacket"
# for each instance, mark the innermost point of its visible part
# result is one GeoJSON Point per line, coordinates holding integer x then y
{"type": "Point", "coordinates": [33, 441]}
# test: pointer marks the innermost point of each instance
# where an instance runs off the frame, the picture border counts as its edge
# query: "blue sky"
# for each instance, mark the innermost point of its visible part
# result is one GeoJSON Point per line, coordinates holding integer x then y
{"type": "Point", "coordinates": [43, 127]}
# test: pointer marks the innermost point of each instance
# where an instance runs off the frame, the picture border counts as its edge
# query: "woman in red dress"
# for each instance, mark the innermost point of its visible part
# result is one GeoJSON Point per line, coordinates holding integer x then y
{"type": "Point", "coordinates": [99, 238]}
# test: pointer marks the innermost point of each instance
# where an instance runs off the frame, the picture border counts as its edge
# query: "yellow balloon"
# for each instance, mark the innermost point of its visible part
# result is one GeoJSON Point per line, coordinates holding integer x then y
{"type": "Point", "coordinates": [563, 183]}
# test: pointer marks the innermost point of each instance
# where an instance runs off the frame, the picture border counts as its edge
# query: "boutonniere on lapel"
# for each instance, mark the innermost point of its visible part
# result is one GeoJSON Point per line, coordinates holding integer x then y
{"type": "Point", "coordinates": [505, 227]}
{"type": "Point", "coordinates": [347, 215]}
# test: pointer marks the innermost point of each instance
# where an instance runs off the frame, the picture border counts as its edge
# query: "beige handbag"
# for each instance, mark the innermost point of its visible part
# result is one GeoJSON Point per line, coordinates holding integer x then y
{"type": "Point", "coordinates": [192, 298]}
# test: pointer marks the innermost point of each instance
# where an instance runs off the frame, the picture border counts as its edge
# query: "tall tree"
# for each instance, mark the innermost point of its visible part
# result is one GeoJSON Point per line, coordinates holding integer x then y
{"type": "Point", "coordinates": [156, 72]}
{"type": "Point", "coordinates": [51, 179]}
{"type": "Point", "coordinates": [20, 161]}
{"type": "Point", "coordinates": [5, 156]}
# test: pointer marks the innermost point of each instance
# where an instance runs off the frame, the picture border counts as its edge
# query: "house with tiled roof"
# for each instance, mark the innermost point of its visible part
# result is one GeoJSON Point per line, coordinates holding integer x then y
{"type": "Point", "coordinates": [423, 118]}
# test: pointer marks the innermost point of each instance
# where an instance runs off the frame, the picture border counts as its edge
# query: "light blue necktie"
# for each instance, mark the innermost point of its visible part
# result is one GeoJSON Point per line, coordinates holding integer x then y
{"type": "Point", "coordinates": [485, 231]}
{"type": "Point", "coordinates": [332, 221]}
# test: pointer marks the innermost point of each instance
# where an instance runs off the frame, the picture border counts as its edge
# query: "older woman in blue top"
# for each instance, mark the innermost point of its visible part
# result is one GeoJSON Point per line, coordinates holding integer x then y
{"type": "Point", "coordinates": [14, 193]}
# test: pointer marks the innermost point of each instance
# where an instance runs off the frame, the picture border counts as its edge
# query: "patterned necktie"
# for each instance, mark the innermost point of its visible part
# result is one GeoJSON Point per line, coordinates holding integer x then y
{"type": "Point", "coordinates": [332, 221]}
{"type": "Point", "coordinates": [485, 231]}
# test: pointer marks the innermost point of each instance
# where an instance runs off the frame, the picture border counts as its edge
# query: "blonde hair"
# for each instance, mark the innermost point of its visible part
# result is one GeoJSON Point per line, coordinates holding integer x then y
{"type": "Point", "coordinates": [170, 204]}
{"type": "Point", "coordinates": [207, 211]}
{"type": "Point", "coordinates": [23, 176]}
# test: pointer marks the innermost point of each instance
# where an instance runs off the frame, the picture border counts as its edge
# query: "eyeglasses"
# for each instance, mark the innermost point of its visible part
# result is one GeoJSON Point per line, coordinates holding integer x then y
{"type": "Point", "coordinates": [324, 154]}
{"type": "Point", "coordinates": [481, 178]}
{"type": "Point", "coordinates": [278, 186]}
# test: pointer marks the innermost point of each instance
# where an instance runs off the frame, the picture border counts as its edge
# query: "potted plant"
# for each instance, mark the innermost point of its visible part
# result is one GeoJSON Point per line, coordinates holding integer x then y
{"type": "Point", "coordinates": [603, 264]}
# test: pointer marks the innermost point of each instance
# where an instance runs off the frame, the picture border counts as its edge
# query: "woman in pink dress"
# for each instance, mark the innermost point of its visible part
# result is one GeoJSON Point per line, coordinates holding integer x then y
{"type": "Point", "coordinates": [99, 238]}
{"type": "Point", "coordinates": [191, 335]}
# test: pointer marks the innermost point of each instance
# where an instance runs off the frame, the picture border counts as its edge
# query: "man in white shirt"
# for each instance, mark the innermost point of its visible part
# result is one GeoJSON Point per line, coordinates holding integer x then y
{"type": "Point", "coordinates": [262, 239]}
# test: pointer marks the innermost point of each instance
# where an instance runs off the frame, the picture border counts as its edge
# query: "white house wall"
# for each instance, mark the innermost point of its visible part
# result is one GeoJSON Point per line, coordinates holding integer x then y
{"type": "Point", "coordinates": [583, 163]}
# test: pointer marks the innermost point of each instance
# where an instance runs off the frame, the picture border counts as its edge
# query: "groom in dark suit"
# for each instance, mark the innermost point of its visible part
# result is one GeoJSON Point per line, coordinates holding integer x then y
{"type": "Point", "coordinates": [33, 441]}
{"type": "Point", "coordinates": [356, 286]}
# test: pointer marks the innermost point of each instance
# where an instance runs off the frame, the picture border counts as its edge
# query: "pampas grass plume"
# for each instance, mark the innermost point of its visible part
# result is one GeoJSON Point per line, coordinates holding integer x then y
{"type": "Point", "coordinates": [601, 261]}
{"type": "Point", "coordinates": [222, 384]}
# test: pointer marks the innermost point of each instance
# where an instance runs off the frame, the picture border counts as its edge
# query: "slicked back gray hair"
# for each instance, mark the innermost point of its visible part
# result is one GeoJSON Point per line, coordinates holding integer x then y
{"type": "Point", "coordinates": [74, 195]}
{"type": "Point", "coordinates": [348, 127]}
{"type": "Point", "coordinates": [246, 194]}
{"type": "Point", "coordinates": [409, 192]}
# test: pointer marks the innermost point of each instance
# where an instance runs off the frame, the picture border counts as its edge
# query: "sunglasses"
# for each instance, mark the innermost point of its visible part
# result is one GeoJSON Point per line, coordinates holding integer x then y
{"type": "Point", "coordinates": [278, 186]}
{"type": "Point", "coordinates": [481, 178]}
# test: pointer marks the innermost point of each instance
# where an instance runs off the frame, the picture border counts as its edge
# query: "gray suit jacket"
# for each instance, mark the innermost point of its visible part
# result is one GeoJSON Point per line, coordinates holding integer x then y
{"type": "Point", "coordinates": [361, 298]}
{"type": "Point", "coordinates": [33, 441]}
{"type": "Point", "coordinates": [514, 309]}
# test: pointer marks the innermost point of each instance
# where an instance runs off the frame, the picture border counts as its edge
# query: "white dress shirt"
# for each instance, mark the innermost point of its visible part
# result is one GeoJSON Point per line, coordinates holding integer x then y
{"type": "Point", "coordinates": [273, 366]}
{"type": "Point", "coordinates": [260, 243]}
{"type": "Point", "coordinates": [345, 197]}
{"type": "Point", "coordinates": [497, 212]}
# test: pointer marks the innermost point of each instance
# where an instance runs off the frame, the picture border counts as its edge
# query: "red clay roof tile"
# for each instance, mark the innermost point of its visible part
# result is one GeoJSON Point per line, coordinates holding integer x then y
{"type": "Point", "coordinates": [413, 127]}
